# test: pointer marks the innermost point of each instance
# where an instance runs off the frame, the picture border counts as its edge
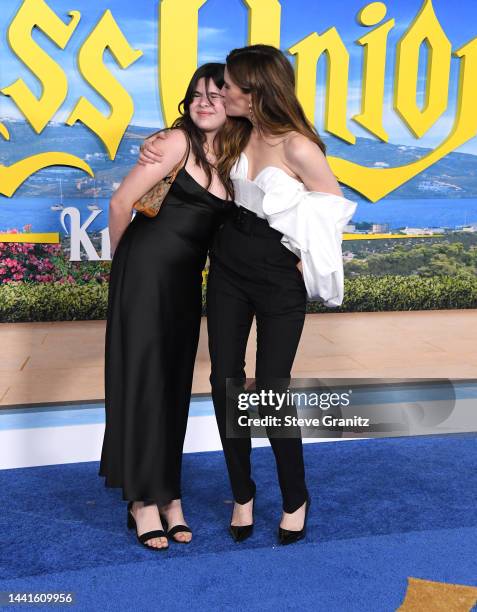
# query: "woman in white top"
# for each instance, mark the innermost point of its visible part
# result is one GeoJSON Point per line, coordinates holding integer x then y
{"type": "Point", "coordinates": [291, 216]}
{"type": "Point", "coordinates": [281, 246]}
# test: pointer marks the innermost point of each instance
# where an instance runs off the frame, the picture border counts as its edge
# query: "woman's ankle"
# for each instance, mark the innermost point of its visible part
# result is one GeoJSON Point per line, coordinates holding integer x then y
{"type": "Point", "coordinates": [171, 505]}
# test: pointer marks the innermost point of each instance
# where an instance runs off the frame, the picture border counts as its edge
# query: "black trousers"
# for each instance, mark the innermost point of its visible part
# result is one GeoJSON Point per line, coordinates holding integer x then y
{"type": "Point", "coordinates": [252, 274]}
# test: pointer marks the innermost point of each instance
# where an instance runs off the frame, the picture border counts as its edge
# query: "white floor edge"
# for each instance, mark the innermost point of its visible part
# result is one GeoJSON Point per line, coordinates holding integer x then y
{"type": "Point", "coordinates": [33, 447]}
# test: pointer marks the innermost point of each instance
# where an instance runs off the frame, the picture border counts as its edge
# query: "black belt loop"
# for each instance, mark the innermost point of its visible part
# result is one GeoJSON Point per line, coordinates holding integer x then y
{"type": "Point", "coordinates": [244, 220]}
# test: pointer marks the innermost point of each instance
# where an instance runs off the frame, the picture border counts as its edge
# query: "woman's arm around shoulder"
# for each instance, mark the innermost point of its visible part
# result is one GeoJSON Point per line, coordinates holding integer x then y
{"type": "Point", "coordinates": [151, 150]}
{"type": "Point", "coordinates": [138, 182]}
{"type": "Point", "coordinates": [143, 177]}
{"type": "Point", "coordinates": [306, 160]}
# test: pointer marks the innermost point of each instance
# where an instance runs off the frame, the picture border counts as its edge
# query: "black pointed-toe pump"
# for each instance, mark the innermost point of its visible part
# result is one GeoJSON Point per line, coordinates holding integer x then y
{"type": "Point", "coordinates": [241, 532]}
{"type": "Point", "coordinates": [288, 536]}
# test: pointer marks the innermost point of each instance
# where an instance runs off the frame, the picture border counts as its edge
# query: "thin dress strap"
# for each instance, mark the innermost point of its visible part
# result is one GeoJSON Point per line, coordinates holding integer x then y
{"type": "Point", "coordinates": [180, 165]}
{"type": "Point", "coordinates": [187, 153]}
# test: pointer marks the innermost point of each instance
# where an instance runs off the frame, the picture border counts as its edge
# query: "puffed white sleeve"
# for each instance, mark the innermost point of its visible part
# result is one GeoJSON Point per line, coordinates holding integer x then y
{"type": "Point", "coordinates": [312, 224]}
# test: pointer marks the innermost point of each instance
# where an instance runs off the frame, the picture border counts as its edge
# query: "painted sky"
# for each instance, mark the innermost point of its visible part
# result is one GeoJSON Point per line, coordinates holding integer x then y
{"type": "Point", "coordinates": [223, 26]}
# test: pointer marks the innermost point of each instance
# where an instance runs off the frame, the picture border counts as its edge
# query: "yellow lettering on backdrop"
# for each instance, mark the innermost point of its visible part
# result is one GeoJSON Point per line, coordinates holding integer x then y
{"type": "Point", "coordinates": [35, 13]}
{"type": "Point", "coordinates": [178, 42]}
{"type": "Point", "coordinates": [178, 29]}
{"type": "Point", "coordinates": [4, 132]}
{"type": "Point", "coordinates": [177, 51]}
{"type": "Point", "coordinates": [425, 28]}
{"type": "Point", "coordinates": [110, 129]}
{"type": "Point", "coordinates": [375, 183]}
{"type": "Point", "coordinates": [307, 52]}
{"type": "Point", "coordinates": [263, 22]}
{"type": "Point", "coordinates": [11, 177]}
{"type": "Point", "coordinates": [374, 68]}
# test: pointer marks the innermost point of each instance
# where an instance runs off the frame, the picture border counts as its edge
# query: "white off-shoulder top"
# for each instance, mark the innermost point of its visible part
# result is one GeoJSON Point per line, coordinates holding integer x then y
{"type": "Point", "coordinates": [311, 222]}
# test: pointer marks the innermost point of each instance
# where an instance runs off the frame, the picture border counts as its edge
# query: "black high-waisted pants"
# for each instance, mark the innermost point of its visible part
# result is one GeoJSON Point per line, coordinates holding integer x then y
{"type": "Point", "coordinates": [252, 273]}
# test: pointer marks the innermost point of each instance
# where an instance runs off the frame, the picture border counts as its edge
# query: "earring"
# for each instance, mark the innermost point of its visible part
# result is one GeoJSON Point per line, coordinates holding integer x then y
{"type": "Point", "coordinates": [252, 119]}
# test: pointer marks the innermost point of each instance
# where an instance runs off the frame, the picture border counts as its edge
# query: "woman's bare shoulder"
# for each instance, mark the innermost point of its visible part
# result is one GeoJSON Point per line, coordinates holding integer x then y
{"type": "Point", "coordinates": [298, 147]}
{"type": "Point", "coordinates": [305, 158]}
{"type": "Point", "coordinates": [176, 139]}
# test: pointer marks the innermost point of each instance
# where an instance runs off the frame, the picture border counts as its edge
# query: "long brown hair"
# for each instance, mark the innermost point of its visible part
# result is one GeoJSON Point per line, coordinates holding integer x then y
{"type": "Point", "coordinates": [265, 72]}
{"type": "Point", "coordinates": [212, 71]}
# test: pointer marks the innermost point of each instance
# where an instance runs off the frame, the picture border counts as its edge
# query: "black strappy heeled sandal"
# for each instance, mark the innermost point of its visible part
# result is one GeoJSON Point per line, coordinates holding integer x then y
{"type": "Point", "coordinates": [176, 529]}
{"type": "Point", "coordinates": [157, 533]}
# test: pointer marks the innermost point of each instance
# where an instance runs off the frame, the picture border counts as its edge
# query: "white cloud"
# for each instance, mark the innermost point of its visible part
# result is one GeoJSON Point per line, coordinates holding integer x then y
{"type": "Point", "coordinates": [142, 26]}
{"type": "Point", "coordinates": [207, 34]}
{"type": "Point", "coordinates": [204, 58]}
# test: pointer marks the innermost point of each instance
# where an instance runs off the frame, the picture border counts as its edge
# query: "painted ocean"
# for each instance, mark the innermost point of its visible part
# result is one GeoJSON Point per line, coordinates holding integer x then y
{"type": "Point", "coordinates": [17, 212]}
{"type": "Point", "coordinates": [438, 212]}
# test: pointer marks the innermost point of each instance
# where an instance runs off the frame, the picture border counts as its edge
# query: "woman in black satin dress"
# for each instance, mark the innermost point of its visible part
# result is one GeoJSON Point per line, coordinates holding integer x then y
{"type": "Point", "coordinates": [154, 313]}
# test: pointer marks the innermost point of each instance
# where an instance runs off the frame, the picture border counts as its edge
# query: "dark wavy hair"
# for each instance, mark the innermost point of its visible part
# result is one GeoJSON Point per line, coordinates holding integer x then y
{"type": "Point", "coordinates": [210, 72]}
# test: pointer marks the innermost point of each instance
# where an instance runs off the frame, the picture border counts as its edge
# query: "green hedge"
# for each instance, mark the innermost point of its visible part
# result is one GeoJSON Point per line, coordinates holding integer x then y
{"type": "Point", "coordinates": [67, 302]}
{"type": "Point", "coordinates": [391, 292]}
{"type": "Point", "coordinates": [53, 301]}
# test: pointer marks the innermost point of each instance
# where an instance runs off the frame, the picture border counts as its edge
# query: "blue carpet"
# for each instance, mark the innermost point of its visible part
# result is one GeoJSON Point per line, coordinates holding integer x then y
{"type": "Point", "coordinates": [383, 510]}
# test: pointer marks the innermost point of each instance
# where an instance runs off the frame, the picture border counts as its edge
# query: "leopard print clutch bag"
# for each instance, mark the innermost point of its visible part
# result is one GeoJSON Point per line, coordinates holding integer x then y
{"type": "Point", "coordinates": [151, 202]}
